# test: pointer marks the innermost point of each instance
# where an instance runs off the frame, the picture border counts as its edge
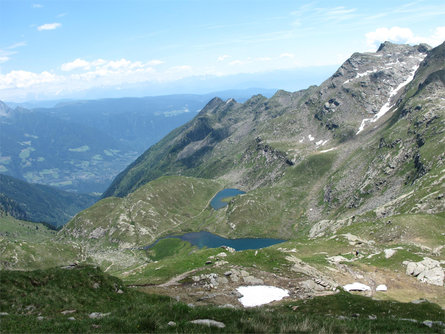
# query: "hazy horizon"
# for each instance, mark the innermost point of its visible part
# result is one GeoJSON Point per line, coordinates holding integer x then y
{"type": "Point", "coordinates": [94, 49]}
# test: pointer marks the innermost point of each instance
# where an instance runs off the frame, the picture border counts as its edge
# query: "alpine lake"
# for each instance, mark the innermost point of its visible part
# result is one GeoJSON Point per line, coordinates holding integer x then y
{"type": "Point", "coordinates": [209, 240]}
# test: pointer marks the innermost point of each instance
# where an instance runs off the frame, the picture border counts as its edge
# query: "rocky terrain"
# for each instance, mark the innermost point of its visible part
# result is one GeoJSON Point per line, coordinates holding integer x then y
{"type": "Point", "coordinates": [350, 173]}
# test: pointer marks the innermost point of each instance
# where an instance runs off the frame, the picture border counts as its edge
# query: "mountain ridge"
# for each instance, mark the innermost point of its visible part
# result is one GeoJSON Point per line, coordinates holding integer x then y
{"type": "Point", "coordinates": [302, 177]}
{"type": "Point", "coordinates": [337, 105]}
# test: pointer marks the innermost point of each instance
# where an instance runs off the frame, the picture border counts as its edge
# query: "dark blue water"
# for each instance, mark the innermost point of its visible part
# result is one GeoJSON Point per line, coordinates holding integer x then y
{"type": "Point", "coordinates": [210, 240]}
{"type": "Point", "coordinates": [217, 202]}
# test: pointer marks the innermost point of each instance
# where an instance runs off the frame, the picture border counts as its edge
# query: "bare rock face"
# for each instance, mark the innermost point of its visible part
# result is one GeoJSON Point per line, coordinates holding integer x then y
{"type": "Point", "coordinates": [427, 271]}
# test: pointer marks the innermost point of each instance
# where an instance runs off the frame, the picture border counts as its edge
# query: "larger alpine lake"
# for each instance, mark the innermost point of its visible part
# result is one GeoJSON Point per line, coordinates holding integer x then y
{"type": "Point", "coordinates": [206, 239]}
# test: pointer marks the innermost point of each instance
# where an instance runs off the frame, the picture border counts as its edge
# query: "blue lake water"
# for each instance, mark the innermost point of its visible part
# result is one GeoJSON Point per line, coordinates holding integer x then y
{"type": "Point", "coordinates": [210, 240]}
{"type": "Point", "coordinates": [217, 202]}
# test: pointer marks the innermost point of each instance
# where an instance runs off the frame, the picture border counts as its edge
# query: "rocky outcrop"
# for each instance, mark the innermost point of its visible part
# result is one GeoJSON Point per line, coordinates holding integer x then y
{"type": "Point", "coordinates": [428, 271]}
{"type": "Point", "coordinates": [208, 323]}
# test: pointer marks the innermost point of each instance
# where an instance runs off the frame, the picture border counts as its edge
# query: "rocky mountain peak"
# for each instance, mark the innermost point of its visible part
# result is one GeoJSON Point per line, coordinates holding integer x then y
{"type": "Point", "coordinates": [367, 84]}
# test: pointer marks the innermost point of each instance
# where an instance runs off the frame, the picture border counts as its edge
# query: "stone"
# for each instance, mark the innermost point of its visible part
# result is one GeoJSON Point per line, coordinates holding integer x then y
{"type": "Point", "coordinates": [220, 263]}
{"type": "Point", "coordinates": [427, 271]}
{"type": "Point", "coordinates": [222, 254]}
{"type": "Point", "coordinates": [419, 301]}
{"type": "Point", "coordinates": [227, 306]}
{"type": "Point", "coordinates": [2, 314]}
{"type": "Point", "coordinates": [96, 285]}
{"type": "Point", "coordinates": [229, 249]}
{"type": "Point", "coordinates": [227, 273]}
{"type": "Point", "coordinates": [237, 294]}
{"type": "Point", "coordinates": [389, 252]}
{"type": "Point", "coordinates": [98, 315]}
{"type": "Point", "coordinates": [244, 273]}
{"type": "Point", "coordinates": [40, 317]}
{"type": "Point", "coordinates": [68, 312]}
{"type": "Point", "coordinates": [208, 322]}
{"type": "Point", "coordinates": [222, 280]}
{"type": "Point", "coordinates": [252, 280]}
{"type": "Point", "coordinates": [71, 318]}
{"type": "Point", "coordinates": [234, 278]}
{"type": "Point", "coordinates": [381, 287]}
{"type": "Point", "coordinates": [337, 259]}
{"type": "Point", "coordinates": [208, 262]}
{"type": "Point", "coordinates": [119, 291]}
{"type": "Point", "coordinates": [428, 323]}
{"type": "Point", "coordinates": [171, 324]}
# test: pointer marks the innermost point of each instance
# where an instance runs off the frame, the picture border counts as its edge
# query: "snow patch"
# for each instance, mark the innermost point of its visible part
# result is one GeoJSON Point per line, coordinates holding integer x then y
{"type": "Point", "coordinates": [260, 294]}
{"type": "Point", "coordinates": [311, 138]}
{"type": "Point", "coordinates": [381, 287]}
{"type": "Point", "coordinates": [359, 75]}
{"type": "Point", "coordinates": [356, 287]}
{"type": "Point", "coordinates": [387, 106]}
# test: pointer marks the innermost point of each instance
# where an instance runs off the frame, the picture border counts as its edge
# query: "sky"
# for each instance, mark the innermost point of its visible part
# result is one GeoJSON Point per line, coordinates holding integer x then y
{"type": "Point", "coordinates": [67, 49]}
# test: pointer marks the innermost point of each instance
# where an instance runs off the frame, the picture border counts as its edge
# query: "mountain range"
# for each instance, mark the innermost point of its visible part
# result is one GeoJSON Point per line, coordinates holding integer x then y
{"type": "Point", "coordinates": [368, 142]}
{"type": "Point", "coordinates": [81, 145]}
{"type": "Point", "coordinates": [348, 175]}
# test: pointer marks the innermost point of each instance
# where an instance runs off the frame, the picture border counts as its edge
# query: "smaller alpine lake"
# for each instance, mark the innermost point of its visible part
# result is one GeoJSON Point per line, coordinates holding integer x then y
{"type": "Point", "coordinates": [206, 239]}
{"type": "Point", "coordinates": [217, 201]}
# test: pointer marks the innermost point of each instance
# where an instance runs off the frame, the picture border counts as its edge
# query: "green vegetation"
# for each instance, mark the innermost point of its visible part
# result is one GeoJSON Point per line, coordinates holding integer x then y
{"type": "Point", "coordinates": [168, 247]}
{"type": "Point", "coordinates": [80, 291]}
{"type": "Point", "coordinates": [39, 203]}
{"type": "Point", "coordinates": [19, 230]}
{"type": "Point", "coordinates": [27, 246]}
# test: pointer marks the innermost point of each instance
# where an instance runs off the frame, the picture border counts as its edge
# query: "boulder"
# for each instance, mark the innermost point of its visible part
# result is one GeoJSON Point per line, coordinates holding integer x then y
{"type": "Point", "coordinates": [252, 280]}
{"type": "Point", "coordinates": [98, 315]}
{"type": "Point", "coordinates": [381, 287]}
{"type": "Point", "coordinates": [427, 271]}
{"type": "Point", "coordinates": [389, 252]}
{"type": "Point", "coordinates": [208, 322]}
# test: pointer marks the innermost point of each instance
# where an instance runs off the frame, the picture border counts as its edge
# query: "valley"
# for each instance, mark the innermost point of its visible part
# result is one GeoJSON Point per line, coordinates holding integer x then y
{"type": "Point", "coordinates": [350, 175]}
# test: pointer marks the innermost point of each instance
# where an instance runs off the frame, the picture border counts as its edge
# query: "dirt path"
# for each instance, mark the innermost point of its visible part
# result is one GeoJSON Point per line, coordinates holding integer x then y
{"type": "Point", "coordinates": [176, 279]}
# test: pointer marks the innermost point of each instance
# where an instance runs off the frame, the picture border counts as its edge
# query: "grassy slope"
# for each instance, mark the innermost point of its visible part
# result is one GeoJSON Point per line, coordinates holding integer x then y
{"type": "Point", "coordinates": [27, 295]}
{"type": "Point", "coordinates": [166, 205]}
{"type": "Point", "coordinates": [26, 246]}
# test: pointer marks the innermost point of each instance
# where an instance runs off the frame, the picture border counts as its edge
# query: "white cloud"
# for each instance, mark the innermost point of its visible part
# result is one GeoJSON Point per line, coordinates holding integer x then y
{"type": "Point", "coordinates": [37, 5]}
{"type": "Point", "coordinates": [287, 55]}
{"type": "Point", "coordinates": [49, 26]}
{"type": "Point", "coordinates": [223, 57]}
{"type": "Point", "coordinates": [236, 62]}
{"type": "Point", "coordinates": [394, 34]}
{"type": "Point", "coordinates": [403, 35]}
{"type": "Point", "coordinates": [24, 79]}
{"type": "Point", "coordinates": [8, 51]}
{"type": "Point", "coordinates": [76, 64]}
{"type": "Point", "coordinates": [16, 45]}
{"type": "Point", "coordinates": [155, 62]}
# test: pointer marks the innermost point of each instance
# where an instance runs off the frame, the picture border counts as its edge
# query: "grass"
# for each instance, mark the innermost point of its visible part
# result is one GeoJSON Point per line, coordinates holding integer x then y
{"type": "Point", "coordinates": [169, 247]}
{"type": "Point", "coordinates": [85, 289]}
{"type": "Point", "coordinates": [14, 229]}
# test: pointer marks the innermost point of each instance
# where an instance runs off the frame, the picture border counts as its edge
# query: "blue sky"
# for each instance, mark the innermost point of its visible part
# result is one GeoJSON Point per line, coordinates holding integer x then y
{"type": "Point", "coordinates": [55, 49]}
